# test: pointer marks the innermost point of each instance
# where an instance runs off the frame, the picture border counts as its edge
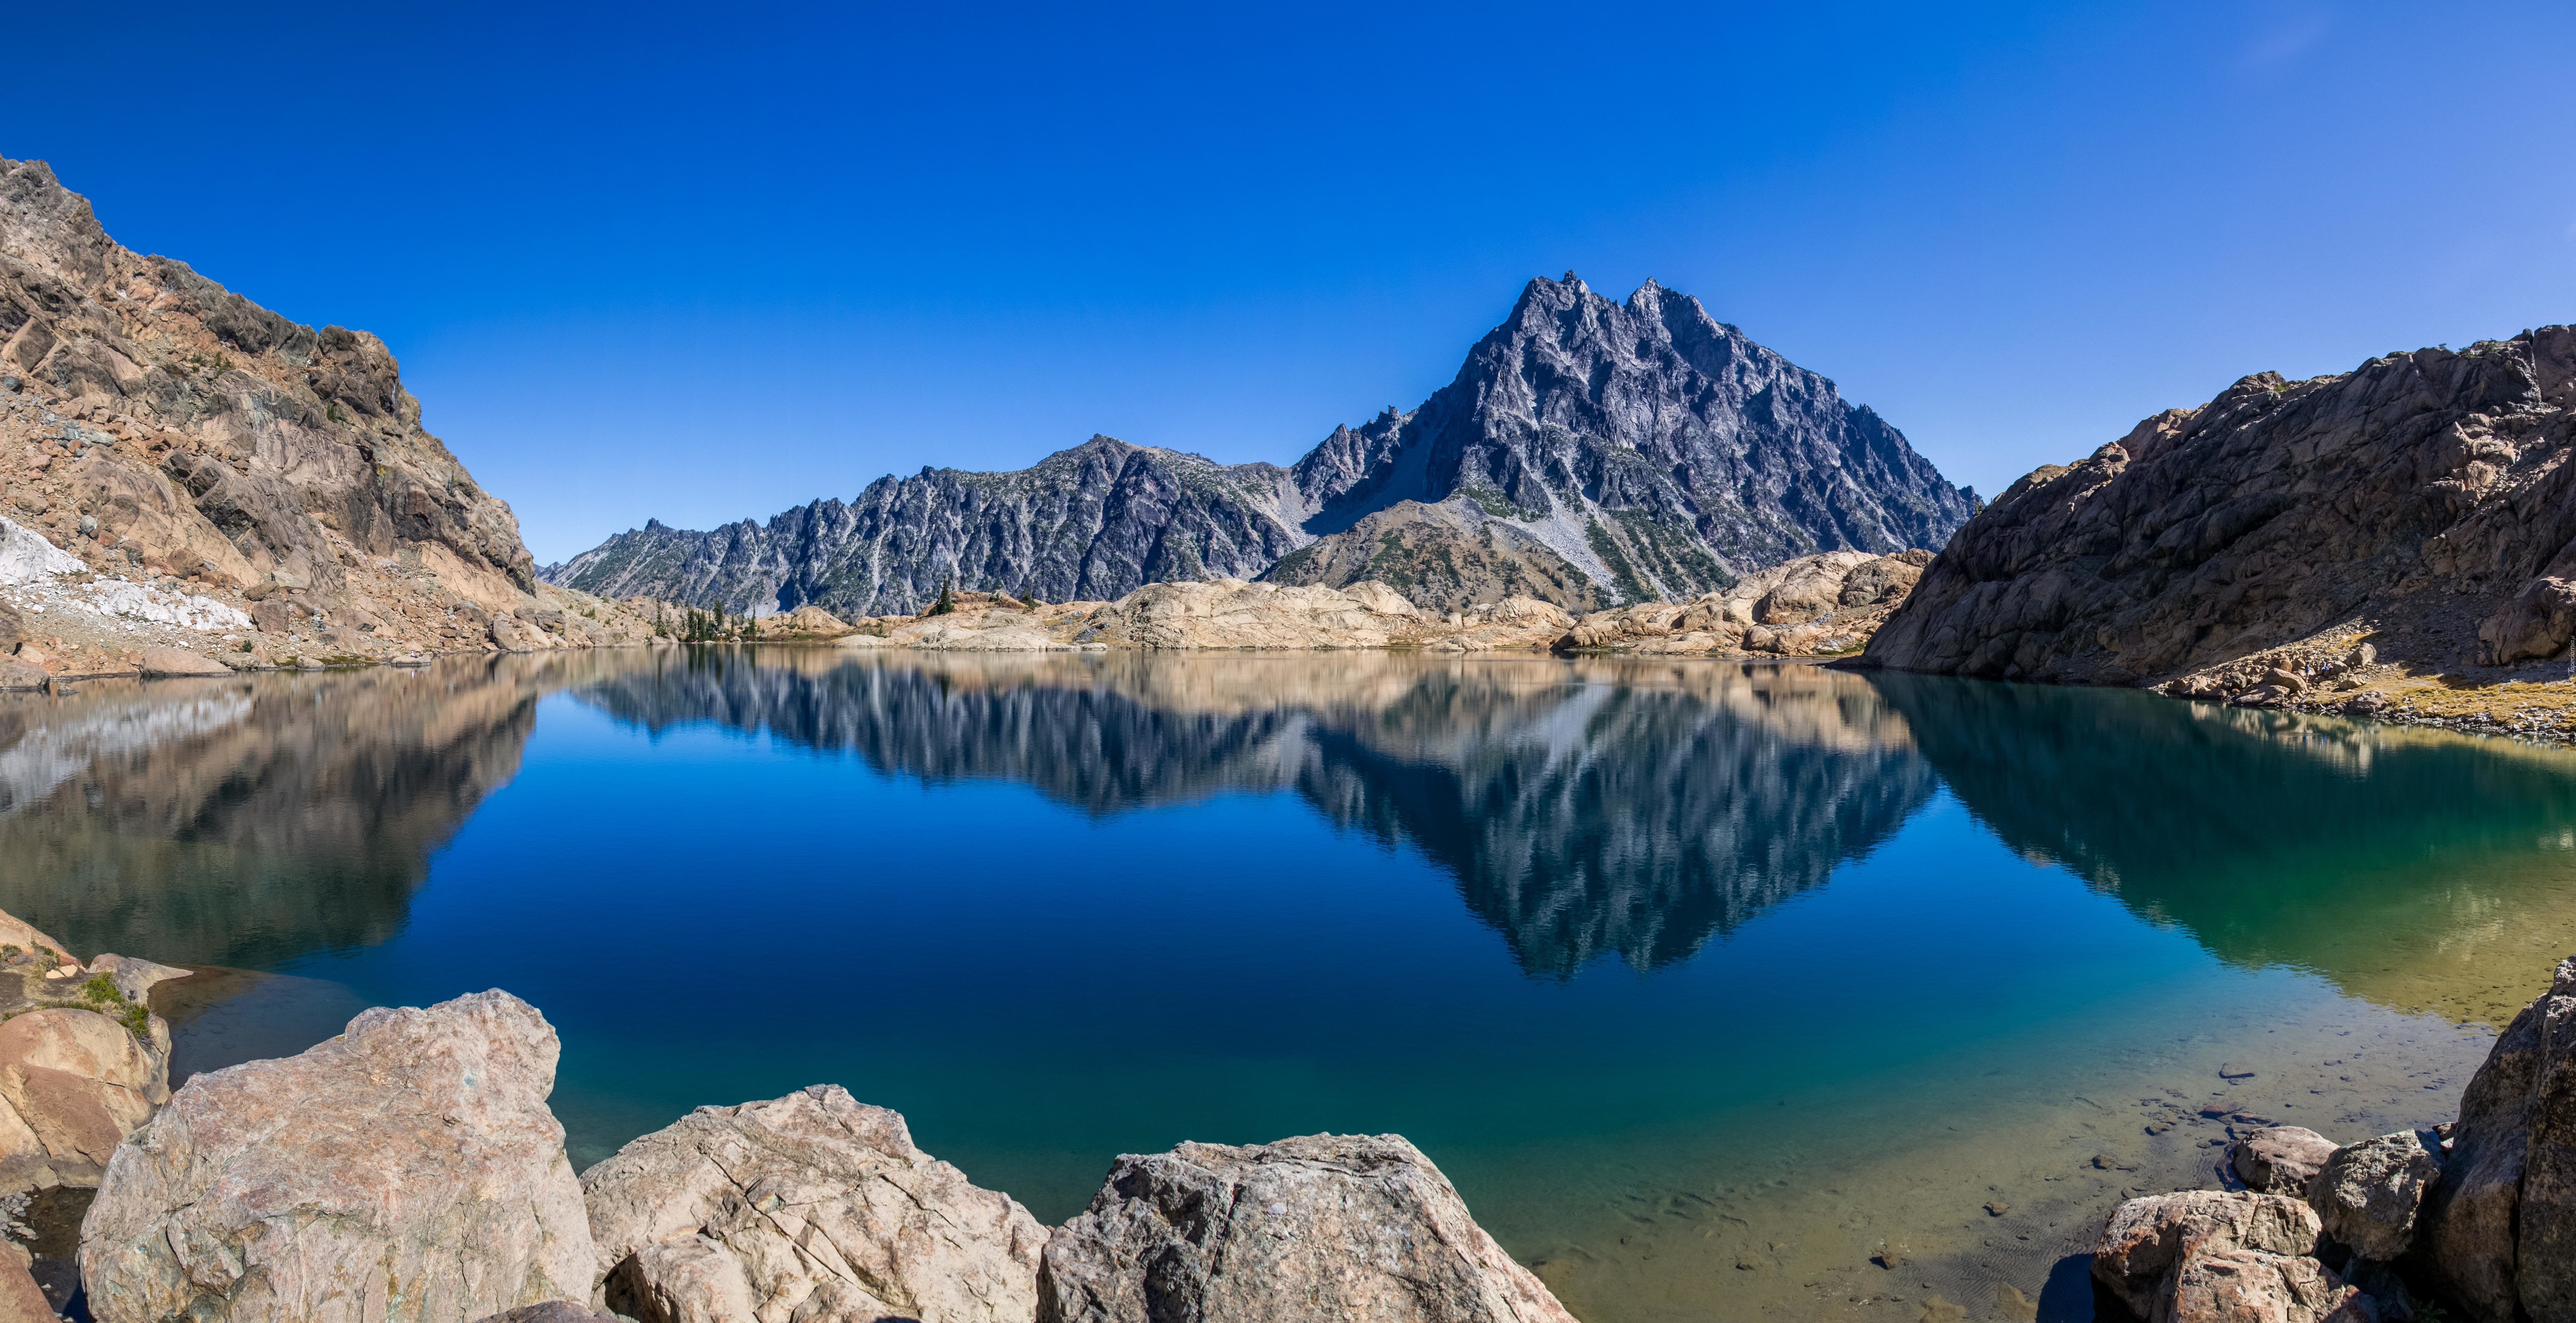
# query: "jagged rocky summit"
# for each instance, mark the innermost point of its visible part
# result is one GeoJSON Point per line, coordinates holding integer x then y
{"type": "Point", "coordinates": [182, 469]}
{"type": "Point", "coordinates": [1590, 453]}
{"type": "Point", "coordinates": [2288, 542]}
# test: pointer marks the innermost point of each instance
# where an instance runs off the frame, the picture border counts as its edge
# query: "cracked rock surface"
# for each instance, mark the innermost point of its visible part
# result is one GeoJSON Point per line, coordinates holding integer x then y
{"type": "Point", "coordinates": [1316, 1227]}
{"type": "Point", "coordinates": [406, 1170]}
{"type": "Point", "coordinates": [811, 1206]}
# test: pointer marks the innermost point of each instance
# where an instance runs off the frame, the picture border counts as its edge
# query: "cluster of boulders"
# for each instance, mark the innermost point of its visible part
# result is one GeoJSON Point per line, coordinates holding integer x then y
{"type": "Point", "coordinates": [2312, 675]}
{"type": "Point", "coordinates": [410, 1169]}
{"type": "Point", "coordinates": [1823, 605]}
{"type": "Point", "coordinates": [2480, 1212]}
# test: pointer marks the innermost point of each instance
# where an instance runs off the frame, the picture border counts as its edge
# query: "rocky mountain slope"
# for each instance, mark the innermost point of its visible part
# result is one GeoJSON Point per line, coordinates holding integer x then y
{"type": "Point", "coordinates": [166, 432]}
{"type": "Point", "coordinates": [1589, 453]}
{"type": "Point", "coordinates": [2421, 505]}
{"type": "Point", "coordinates": [1093, 522]}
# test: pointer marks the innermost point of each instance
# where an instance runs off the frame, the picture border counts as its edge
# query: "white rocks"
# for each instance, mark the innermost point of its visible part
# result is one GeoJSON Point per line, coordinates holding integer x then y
{"type": "Point", "coordinates": [405, 1170]}
{"type": "Point", "coordinates": [1317, 1227]}
{"type": "Point", "coordinates": [811, 1206]}
{"type": "Point", "coordinates": [26, 556]}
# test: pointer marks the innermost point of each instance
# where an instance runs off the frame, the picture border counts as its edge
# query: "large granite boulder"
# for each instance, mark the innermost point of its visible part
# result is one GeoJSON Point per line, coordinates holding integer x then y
{"type": "Point", "coordinates": [405, 1170]}
{"type": "Point", "coordinates": [811, 1206]}
{"type": "Point", "coordinates": [2500, 1227]}
{"type": "Point", "coordinates": [2280, 1159]}
{"type": "Point", "coordinates": [82, 1062]}
{"type": "Point", "coordinates": [2148, 1240]}
{"type": "Point", "coordinates": [2249, 1286]}
{"type": "Point", "coordinates": [2367, 1193]}
{"type": "Point", "coordinates": [73, 1084]}
{"type": "Point", "coordinates": [1317, 1227]}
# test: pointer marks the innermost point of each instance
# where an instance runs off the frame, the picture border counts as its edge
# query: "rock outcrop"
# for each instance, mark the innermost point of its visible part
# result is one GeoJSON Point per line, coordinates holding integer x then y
{"type": "Point", "coordinates": [83, 1062]}
{"type": "Point", "coordinates": [1823, 605]}
{"type": "Point", "coordinates": [159, 430]}
{"type": "Point", "coordinates": [1231, 613]}
{"type": "Point", "coordinates": [811, 1206]}
{"type": "Point", "coordinates": [2499, 1228]}
{"type": "Point", "coordinates": [1588, 452]}
{"type": "Point", "coordinates": [1317, 1227]}
{"type": "Point", "coordinates": [406, 1170]}
{"type": "Point", "coordinates": [2422, 501]}
{"type": "Point", "coordinates": [2212, 1257]}
{"type": "Point", "coordinates": [1450, 556]}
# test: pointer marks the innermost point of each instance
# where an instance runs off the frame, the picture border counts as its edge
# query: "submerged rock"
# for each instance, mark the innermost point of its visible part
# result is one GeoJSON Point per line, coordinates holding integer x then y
{"type": "Point", "coordinates": [2367, 1193]}
{"type": "Point", "coordinates": [2500, 1227]}
{"type": "Point", "coordinates": [2280, 1159]}
{"type": "Point", "coordinates": [811, 1206]}
{"type": "Point", "coordinates": [1317, 1227]}
{"type": "Point", "coordinates": [405, 1170]}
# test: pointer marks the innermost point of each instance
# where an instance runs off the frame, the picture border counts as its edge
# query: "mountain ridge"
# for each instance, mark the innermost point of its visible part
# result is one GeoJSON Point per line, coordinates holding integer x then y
{"type": "Point", "coordinates": [1624, 451]}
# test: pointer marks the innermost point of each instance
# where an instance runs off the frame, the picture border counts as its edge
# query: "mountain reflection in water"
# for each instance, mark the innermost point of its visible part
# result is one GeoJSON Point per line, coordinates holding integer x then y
{"type": "Point", "coordinates": [1584, 808]}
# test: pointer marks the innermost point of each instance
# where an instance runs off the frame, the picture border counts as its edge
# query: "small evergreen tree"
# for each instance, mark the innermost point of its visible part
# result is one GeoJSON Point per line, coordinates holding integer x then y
{"type": "Point", "coordinates": [946, 604]}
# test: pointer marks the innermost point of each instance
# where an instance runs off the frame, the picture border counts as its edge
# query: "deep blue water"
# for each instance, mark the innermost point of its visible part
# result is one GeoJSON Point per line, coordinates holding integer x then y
{"type": "Point", "coordinates": [1675, 969]}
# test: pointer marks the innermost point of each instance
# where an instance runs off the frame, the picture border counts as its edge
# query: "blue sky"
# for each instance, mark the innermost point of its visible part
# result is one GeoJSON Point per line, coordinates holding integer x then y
{"type": "Point", "coordinates": [709, 262]}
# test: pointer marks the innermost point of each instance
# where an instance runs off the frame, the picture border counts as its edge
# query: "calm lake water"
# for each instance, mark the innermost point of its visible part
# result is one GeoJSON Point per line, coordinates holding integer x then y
{"type": "Point", "coordinates": [1721, 991]}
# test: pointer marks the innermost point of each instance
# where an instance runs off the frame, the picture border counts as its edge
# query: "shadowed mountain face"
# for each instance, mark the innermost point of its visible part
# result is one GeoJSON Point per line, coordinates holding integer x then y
{"type": "Point", "coordinates": [1585, 809]}
{"type": "Point", "coordinates": [1588, 451]}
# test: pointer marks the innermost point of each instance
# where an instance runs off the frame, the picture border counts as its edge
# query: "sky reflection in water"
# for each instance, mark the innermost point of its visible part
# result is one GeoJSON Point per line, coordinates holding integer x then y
{"type": "Point", "coordinates": [1580, 929]}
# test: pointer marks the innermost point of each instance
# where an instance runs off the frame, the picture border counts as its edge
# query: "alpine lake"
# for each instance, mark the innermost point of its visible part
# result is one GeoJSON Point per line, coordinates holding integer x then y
{"type": "Point", "coordinates": [1721, 991]}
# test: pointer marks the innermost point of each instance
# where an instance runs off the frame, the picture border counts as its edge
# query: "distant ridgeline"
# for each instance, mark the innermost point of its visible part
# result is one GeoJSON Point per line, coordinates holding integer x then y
{"type": "Point", "coordinates": [1589, 453]}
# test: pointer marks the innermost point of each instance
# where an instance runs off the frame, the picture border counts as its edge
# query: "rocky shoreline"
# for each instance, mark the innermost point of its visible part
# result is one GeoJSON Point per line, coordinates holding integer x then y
{"type": "Point", "coordinates": [410, 1169]}
{"type": "Point", "coordinates": [2476, 1214]}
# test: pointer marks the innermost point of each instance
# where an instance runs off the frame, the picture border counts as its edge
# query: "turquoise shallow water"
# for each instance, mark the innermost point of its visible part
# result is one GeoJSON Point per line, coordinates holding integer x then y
{"type": "Point", "coordinates": [1720, 991]}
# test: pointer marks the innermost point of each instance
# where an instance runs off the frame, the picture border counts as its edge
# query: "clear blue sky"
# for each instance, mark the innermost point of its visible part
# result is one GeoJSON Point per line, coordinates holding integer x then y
{"type": "Point", "coordinates": [707, 262]}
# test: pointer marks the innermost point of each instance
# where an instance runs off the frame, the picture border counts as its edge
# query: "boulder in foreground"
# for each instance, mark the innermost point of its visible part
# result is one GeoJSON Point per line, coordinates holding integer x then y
{"type": "Point", "coordinates": [2500, 1226]}
{"type": "Point", "coordinates": [405, 1170]}
{"type": "Point", "coordinates": [1317, 1227]}
{"type": "Point", "coordinates": [2222, 1253]}
{"type": "Point", "coordinates": [811, 1206]}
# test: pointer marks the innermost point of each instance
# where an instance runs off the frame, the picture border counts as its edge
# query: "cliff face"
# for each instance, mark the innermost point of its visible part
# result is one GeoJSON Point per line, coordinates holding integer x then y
{"type": "Point", "coordinates": [2422, 501]}
{"type": "Point", "coordinates": [159, 427]}
{"type": "Point", "coordinates": [258, 449]}
{"type": "Point", "coordinates": [1589, 452]}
